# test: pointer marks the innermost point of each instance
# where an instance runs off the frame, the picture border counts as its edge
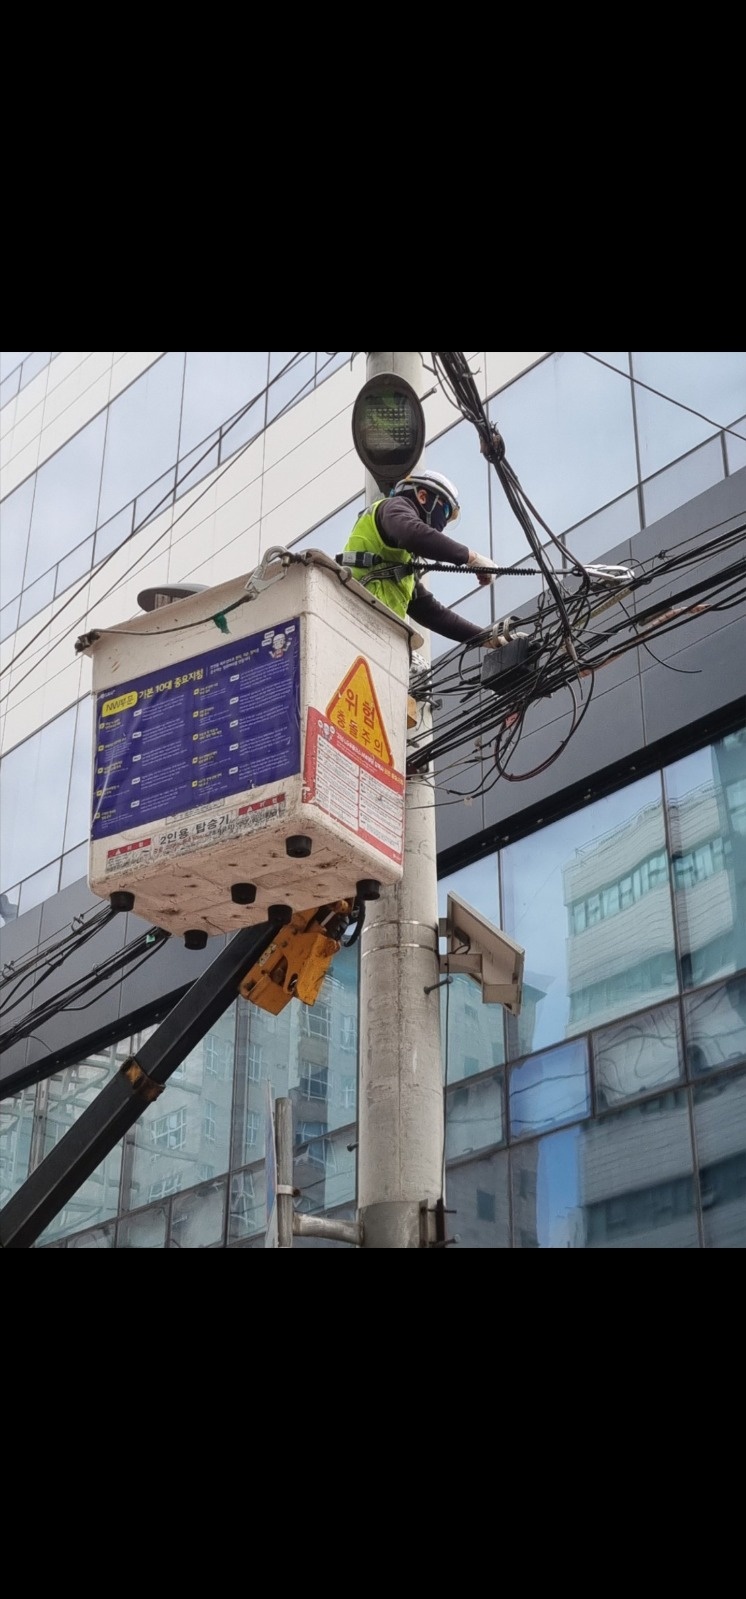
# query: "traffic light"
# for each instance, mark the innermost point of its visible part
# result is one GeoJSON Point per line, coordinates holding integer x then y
{"type": "Point", "coordinates": [388, 428]}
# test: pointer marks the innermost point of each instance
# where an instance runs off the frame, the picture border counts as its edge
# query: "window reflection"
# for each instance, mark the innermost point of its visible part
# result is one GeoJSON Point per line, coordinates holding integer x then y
{"type": "Point", "coordinates": [706, 800]}
{"type": "Point", "coordinates": [546, 1193]}
{"type": "Point", "coordinates": [715, 1027]}
{"type": "Point", "coordinates": [147, 1230]}
{"type": "Point", "coordinates": [589, 899]}
{"type": "Point", "coordinates": [637, 1055]}
{"type": "Point", "coordinates": [308, 1053]}
{"type": "Point", "coordinates": [66, 499]}
{"type": "Point", "coordinates": [33, 787]}
{"type": "Point", "coordinates": [142, 434]}
{"type": "Point", "coordinates": [70, 1094]}
{"type": "Point", "coordinates": [185, 1134]}
{"type": "Point", "coordinates": [16, 1128]}
{"type": "Point", "coordinates": [218, 384]}
{"type": "Point", "coordinates": [15, 521]}
{"type": "Point", "coordinates": [198, 1218]}
{"type": "Point", "coordinates": [549, 1089]}
{"type": "Point", "coordinates": [474, 1116]}
{"type": "Point", "coordinates": [478, 1204]}
{"type": "Point", "coordinates": [324, 1170]}
{"type": "Point", "coordinates": [720, 1131]}
{"type": "Point", "coordinates": [636, 1177]}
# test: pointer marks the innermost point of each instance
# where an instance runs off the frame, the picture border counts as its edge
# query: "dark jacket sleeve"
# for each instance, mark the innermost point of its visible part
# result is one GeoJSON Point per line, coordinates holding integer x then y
{"type": "Point", "coordinates": [425, 609]}
{"type": "Point", "coordinates": [399, 525]}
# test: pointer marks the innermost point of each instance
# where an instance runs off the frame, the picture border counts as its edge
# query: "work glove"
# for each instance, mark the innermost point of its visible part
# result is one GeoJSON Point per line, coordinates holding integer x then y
{"type": "Point", "coordinates": [483, 578]}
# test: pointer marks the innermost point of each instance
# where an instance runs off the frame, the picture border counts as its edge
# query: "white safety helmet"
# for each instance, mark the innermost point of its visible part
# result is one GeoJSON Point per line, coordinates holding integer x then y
{"type": "Point", "coordinates": [436, 483]}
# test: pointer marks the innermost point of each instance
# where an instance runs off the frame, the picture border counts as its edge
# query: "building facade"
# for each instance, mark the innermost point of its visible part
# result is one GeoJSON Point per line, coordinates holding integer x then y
{"type": "Point", "coordinates": [611, 1113]}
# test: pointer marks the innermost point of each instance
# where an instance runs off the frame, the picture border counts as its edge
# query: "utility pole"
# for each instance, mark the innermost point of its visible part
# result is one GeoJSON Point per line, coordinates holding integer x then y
{"type": "Point", "coordinates": [400, 1114]}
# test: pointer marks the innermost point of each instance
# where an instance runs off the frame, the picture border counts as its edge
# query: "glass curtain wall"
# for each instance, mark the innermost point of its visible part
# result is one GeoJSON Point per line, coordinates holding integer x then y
{"type": "Point", "coordinates": [610, 1114]}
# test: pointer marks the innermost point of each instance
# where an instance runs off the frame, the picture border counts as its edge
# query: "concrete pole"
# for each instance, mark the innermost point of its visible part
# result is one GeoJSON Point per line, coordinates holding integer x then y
{"type": "Point", "coordinates": [400, 1147]}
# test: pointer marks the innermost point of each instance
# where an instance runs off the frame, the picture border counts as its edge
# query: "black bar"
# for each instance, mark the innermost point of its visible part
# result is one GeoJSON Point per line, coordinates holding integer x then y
{"type": "Point", "coordinates": [122, 1101]}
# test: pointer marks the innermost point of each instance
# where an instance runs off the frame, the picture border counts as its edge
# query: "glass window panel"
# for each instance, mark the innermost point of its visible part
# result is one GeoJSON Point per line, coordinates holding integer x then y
{"type": "Point", "coordinates": [248, 1204]}
{"type": "Point", "coordinates": [331, 535]}
{"type": "Point", "coordinates": [74, 866]}
{"type": "Point", "coordinates": [142, 434]}
{"type": "Point", "coordinates": [70, 1094]}
{"type": "Point", "coordinates": [472, 1034]}
{"type": "Point", "coordinates": [16, 1128]}
{"type": "Point", "coordinates": [34, 890]}
{"type": "Point", "coordinates": [188, 1127]}
{"type": "Point", "coordinates": [457, 454]}
{"type": "Point", "coordinates": [113, 533]}
{"type": "Point", "coordinates": [198, 1219]}
{"type": "Point", "coordinates": [623, 1182]}
{"type": "Point", "coordinates": [637, 1055]}
{"type": "Point", "coordinates": [33, 793]}
{"type": "Point", "coordinates": [248, 425]}
{"type": "Point", "coordinates": [715, 1027]}
{"type": "Point", "coordinates": [478, 1202]}
{"type": "Point", "coordinates": [304, 1053]}
{"type": "Point", "coordinates": [79, 801]}
{"type": "Point", "coordinates": [66, 499]}
{"type": "Point", "coordinates": [196, 465]}
{"type": "Point", "coordinates": [146, 1230]}
{"type": "Point", "coordinates": [15, 521]}
{"type": "Point", "coordinates": [577, 979]}
{"type": "Point", "coordinates": [217, 385]}
{"type": "Point", "coordinates": [74, 566]}
{"type": "Point", "coordinates": [98, 1238]}
{"type": "Point", "coordinates": [328, 361]}
{"type": "Point", "coordinates": [9, 387]}
{"type": "Point", "coordinates": [546, 1192]}
{"type": "Point", "coordinates": [34, 364]}
{"type": "Point", "coordinates": [683, 480]}
{"type": "Point", "coordinates": [474, 1116]}
{"type": "Point", "coordinates": [735, 446]}
{"type": "Point", "coordinates": [10, 359]}
{"type": "Point", "coordinates": [704, 810]}
{"type": "Point", "coordinates": [712, 382]}
{"type": "Point", "coordinates": [286, 389]}
{"type": "Point", "coordinates": [155, 498]}
{"type": "Point", "coordinates": [9, 901]}
{"type": "Point", "coordinates": [324, 1170]}
{"type": "Point", "coordinates": [608, 528]}
{"type": "Point", "coordinates": [9, 619]}
{"type": "Point", "coordinates": [720, 1133]}
{"type": "Point", "coordinates": [567, 427]}
{"type": "Point", "coordinates": [34, 598]}
{"type": "Point", "coordinates": [549, 1089]}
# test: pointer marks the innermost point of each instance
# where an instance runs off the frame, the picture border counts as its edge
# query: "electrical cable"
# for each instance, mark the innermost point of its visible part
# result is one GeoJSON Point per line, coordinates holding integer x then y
{"type": "Point", "coordinates": [145, 945]}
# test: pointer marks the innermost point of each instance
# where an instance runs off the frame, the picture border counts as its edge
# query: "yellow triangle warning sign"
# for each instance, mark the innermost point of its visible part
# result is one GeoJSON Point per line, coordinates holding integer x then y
{"type": "Point", "coordinates": [354, 709]}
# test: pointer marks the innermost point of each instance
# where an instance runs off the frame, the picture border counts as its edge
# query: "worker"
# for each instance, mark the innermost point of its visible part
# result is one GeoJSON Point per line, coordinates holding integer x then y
{"type": "Point", "coordinates": [408, 525]}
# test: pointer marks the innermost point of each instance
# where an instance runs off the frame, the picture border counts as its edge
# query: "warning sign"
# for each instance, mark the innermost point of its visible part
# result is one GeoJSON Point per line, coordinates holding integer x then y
{"type": "Point", "coordinates": [354, 787]}
{"type": "Point", "coordinates": [354, 709]}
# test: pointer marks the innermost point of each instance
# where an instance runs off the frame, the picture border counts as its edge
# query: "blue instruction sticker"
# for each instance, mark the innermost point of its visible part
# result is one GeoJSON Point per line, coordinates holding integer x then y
{"type": "Point", "coordinates": [198, 731]}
